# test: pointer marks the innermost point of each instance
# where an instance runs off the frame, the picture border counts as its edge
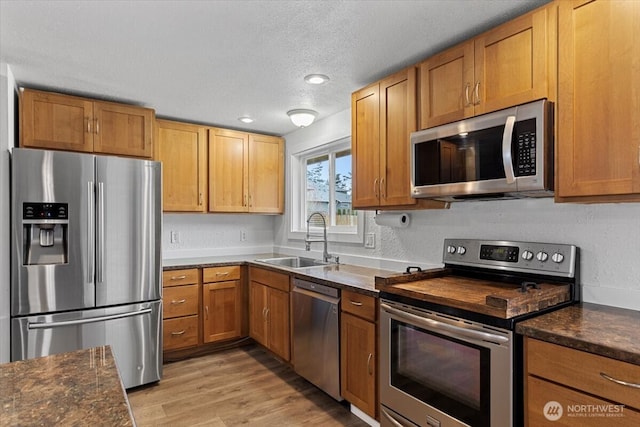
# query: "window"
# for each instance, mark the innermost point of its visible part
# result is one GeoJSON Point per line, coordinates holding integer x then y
{"type": "Point", "coordinates": [325, 177]}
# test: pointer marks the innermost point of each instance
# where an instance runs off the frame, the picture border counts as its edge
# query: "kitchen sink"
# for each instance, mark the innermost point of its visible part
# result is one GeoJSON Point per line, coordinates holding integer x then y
{"type": "Point", "coordinates": [293, 262]}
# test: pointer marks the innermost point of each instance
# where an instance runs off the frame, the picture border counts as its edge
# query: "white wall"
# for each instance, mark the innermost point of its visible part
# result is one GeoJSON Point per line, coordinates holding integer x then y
{"type": "Point", "coordinates": [216, 234]}
{"type": "Point", "coordinates": [7, 137]}
{"type": "Point", "coordinates": [608, 235]}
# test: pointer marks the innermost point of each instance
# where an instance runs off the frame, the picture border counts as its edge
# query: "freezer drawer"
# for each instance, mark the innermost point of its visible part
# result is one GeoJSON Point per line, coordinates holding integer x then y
{"type": "Point", "coordinates": [133, 332]}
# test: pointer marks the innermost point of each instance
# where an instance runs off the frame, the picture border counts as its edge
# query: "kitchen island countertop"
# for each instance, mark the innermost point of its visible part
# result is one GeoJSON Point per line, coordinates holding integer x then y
{"type": "Point", "coordinates": [344, 276]}
{"type": "Point", "coordinates": [75, 388]}
{"type": "Point", "coordinates": [599, 329]}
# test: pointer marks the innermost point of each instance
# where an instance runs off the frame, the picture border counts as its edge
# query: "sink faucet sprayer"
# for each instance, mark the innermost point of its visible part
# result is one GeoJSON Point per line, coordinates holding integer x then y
{"type": "Point", "coordinates": [308, 240]}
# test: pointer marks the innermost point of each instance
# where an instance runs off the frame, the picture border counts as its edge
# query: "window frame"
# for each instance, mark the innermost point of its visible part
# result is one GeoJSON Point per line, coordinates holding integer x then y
{"type": "Point", "coordinates": [297, 229]}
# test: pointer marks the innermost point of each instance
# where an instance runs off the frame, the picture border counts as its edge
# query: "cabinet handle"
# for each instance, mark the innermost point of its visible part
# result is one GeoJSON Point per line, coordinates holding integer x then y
{"type": "Point", "coordinates": [97, 127]}
{"type": "Point", "coordinates": [467, 100]}
{"type": "Point", "coordinates": [369, 363]}
{"type": "Point", "coordinates": [226, 273]}
{"type": "Point", "coordinates": [356, 303]}
{"type": "Point", "coordinates": [181, 301]}
{"type": "Point", "coordinates": [179, 332]}
{"type": "Point", "coordinates": [476, 93]}
{"type": "Point", "coordinates": [200, 199]}
{"type": "Point", "coordinates": [383, 190]}
{"type": "Point", "coordinates": [250, 202]}
{"type": "Point", "coordinates": [244, 200]}
{"type": "Point", "coordinates": [375, 188]}
{"type": "Point", "coordinates": [266, 314]}
{"type": "Point", "coordinates": [206, 311]}
{"type": "Point", "coordinates": [184, 276]}
{"type": "Point", "coordinates": [624, 383]}
{"type": "Point", "coordinates": [88, 125]}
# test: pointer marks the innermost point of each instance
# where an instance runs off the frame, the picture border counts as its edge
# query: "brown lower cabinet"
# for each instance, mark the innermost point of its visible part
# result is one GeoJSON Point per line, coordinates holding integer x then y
{"type": "Point", "coordinates": [568, 387]}
{"type": "Point", "coordinates": [222, 303]}
{"type": "Point", "coordinates": [269, 322]}
{"type": "Point", "coordinates": [358, 344]}
{"type": "Point", "coordinates": [203, 308]}
{"type": "Point", "coordinates": [180, 308]}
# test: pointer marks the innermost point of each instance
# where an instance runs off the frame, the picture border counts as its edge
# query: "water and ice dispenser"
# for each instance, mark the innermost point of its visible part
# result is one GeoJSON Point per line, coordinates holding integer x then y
{"type": "Point", "coordinates": [45, 233]}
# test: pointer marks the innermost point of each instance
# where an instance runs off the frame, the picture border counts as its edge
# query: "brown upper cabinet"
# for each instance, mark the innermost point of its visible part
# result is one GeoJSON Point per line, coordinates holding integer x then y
{"type": "Point", "coordinates": [182, 148]}
{"type": "Point", "coordinates": [382, 117]}
{"type": "Point", "coordinates": [64, 122]}
{"type": "Point", "coordinates": [511, 64]}
{"type": "Point", "coordinates": [246, 172]}
{"type": "Point", "coordinates": [598, 147]}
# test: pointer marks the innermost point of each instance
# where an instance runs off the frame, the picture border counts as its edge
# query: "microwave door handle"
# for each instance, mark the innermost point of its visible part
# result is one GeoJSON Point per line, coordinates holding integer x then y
{"type": "Point", "coordinates": [507, 160]}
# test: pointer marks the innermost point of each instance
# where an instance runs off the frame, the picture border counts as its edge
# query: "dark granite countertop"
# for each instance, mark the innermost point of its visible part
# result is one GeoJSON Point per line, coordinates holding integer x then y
{"type": "Point", "coordinates": [607, 331]}
{"type": "Point", "coordinates": [76, 388]}
{"type": "Point", "coordinates": [343, 276]}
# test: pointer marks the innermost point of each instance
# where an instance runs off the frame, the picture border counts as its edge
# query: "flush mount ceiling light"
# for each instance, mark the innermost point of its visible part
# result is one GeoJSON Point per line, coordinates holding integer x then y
{"type": "Point", "coordinates": [245, 119]}
{"type": "Point", "coordinates": [302, 118]}
{"type": "Point", "coordinates": [316, 79]}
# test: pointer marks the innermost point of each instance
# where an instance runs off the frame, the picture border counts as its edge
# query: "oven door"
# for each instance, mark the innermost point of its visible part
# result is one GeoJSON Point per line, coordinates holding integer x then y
{"type": "Point", "coordinates": [437, 370]}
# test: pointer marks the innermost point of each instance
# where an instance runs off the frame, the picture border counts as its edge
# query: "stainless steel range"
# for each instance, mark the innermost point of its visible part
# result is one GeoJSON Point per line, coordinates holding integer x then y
{"type": "Point", "coordinates": [449, 354]}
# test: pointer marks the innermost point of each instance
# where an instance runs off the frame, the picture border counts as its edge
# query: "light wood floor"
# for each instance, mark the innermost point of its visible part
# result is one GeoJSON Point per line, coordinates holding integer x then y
{"type": "Point", "coordinates": [242, 386]}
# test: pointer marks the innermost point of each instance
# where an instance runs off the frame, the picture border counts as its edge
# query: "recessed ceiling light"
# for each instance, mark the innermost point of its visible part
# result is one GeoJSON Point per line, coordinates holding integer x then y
{"type": "Point", "coordinates": [245, 119]}
{"type": "Point", "coordinates": [316, 79]}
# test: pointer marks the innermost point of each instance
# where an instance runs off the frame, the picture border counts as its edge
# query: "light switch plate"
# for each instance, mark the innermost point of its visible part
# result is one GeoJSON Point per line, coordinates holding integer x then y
{"type": "Point", "coordinates": [370, 241]}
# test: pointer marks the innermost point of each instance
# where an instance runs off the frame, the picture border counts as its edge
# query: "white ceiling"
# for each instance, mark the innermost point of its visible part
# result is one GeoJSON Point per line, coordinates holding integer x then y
{"type": "Point", "coordinates": [214, 61]}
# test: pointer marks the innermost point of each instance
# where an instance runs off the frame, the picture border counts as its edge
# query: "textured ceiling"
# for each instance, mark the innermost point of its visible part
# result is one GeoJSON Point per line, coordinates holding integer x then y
{"type": "Point", "coordinates": [214, 61]}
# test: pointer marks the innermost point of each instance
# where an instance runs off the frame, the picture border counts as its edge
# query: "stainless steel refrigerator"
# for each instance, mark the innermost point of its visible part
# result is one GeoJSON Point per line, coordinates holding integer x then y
{"type": "Point", "coordinates": [86, 266]}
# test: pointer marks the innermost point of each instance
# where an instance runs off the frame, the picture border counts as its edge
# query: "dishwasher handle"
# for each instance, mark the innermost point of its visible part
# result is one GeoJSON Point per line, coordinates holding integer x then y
{"type": "Point", "coordinates": [316, 295]}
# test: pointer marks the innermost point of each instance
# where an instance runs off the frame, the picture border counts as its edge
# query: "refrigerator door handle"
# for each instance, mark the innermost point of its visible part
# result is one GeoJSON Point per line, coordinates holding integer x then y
{"type": "Point", "coordinates": [91, 232]}
{"type": "Point", "coordinates": [100, 236]}
{"type": "Point", "coordinates": [47, 325]}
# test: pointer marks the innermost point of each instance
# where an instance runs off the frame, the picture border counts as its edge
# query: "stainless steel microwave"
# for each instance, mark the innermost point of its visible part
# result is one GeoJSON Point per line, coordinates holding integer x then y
{"type": "Point", "coordinates": [504, 154]}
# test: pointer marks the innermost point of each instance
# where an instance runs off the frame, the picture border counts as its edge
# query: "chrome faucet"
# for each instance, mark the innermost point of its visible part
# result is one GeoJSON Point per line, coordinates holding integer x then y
{"type": "Point", "coordinates": [308, 240]}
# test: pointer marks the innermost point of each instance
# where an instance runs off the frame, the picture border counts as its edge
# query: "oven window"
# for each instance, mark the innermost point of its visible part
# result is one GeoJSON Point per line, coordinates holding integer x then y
{"type": "Point", "coordinates": [446, 373]}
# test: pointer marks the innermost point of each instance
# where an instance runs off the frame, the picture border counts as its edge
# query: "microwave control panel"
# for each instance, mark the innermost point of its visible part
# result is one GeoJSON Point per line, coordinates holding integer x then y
{"type": "Point", "coordinates": [525, 147]}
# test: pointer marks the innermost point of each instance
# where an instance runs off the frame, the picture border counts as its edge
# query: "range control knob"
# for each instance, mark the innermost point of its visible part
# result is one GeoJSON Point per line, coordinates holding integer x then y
{"type": "Point", "coordinates": [462, 250]}
{"type": "Point", "coordinates": [542, 256]}
{"type": "Point", "coordinates": [451, 249]}
{"type": "Point", "coordinates": [527, 255]}
{"type": "Point", "coordinates": [557, 257]}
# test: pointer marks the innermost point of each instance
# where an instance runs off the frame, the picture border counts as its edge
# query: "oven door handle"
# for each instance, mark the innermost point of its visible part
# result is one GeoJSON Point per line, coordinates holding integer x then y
{"type": "Point", "coordinates": [441, 326]}
{"type": "Point", "coordinates": [391, 419]}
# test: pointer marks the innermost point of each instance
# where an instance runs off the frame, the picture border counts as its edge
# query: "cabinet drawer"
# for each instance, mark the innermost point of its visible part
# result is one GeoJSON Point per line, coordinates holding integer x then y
{"type": "Point", "coordinates": [179, 277]}
{"type": "Point", "coordinates": [583, 371]}
{"type": "Point", "coordinates": [578, 409]}
{"type": "Point", "coordinates": [180, 301]}
{"type": "Point", "coordinates": [360, 305]}
{"type": "Point", "coordinates": [180, 332]}
{"type": "Point", "coordinates": [270, 278]}
{"type": "Point", "coordinates": [220, 274]}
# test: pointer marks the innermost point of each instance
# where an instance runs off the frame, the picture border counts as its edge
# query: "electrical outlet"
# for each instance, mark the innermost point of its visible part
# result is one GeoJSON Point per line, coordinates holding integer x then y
{"type": "Point", "coordinates": [370, 240]}
{"type": "Point", "coordinates": [175, 236]}
{"type": "Point", "coordinates": [243, 236]}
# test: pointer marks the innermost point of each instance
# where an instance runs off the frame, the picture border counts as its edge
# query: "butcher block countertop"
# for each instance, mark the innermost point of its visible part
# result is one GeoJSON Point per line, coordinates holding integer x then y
{"type": "Point", "coordinates": [607, 331]}
{"type": "Point", "coordinates": [76, 388]}
{"type": "Point", "coordinates": [479, 296]}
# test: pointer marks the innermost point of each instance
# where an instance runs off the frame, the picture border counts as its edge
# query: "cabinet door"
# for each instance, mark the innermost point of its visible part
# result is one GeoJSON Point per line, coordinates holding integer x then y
{"type": "Point", "coordinates": [446, 86]}
{"type": "Point", "coordinates": [258, 312]}
{"type": "Point", "coordinates": [123, 129]}
{"type": "Point", "coordinates": [266, 174]}
{"type": "Point", "coordinates": [222, 310]}
{"type": "Point", "coordinates": [365, 146]}
{"type": "Point", "coordinates": [397, 121]}
{"type": "Point", "coordinates": [598, 147]}
{"type": "Point", "coordinates": [54, 121]}
{"type": "Point", "coordinates": [358, 363]}
{"type": "Point", "coordinates": [182, 148]}
{"type": "Point", "coordinates": [511, 63]}
{"type": "Point", "coordinates": [278, 319]}
{"type": "Point", "coordinates": [228, 173]}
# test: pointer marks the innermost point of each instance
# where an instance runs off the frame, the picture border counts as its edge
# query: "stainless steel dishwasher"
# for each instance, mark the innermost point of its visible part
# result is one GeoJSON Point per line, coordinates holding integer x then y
{"type": "Point", "coordinates": [316, 335]}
